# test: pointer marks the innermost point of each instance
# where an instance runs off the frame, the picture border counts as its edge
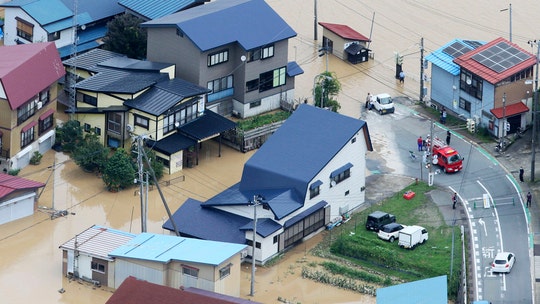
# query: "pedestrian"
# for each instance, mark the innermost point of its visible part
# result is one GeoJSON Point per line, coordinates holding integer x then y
{"type": "Point", "coordinates": [529, 199]}
{"type": "Point", "coordinates": [454, 200]}
{"type": "Point", "coordinates": [401, 77]}
{"type": "Point", "coordinates": [448, 136]}
{"type": "Point", "coordinates": [443, 116]}
{"type": "Point", "coordinates": [521, 171]}
{"type": "Point", "coordinates": [420, 143]}
{"type": "Point", "coordinates": [368, 100]}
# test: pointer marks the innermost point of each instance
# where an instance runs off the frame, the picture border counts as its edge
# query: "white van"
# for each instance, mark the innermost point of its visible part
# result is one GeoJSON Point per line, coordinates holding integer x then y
{"type": "Point", "coordinates": [411, 236]}
{"type": "Point", "coordinates": [383, 103]}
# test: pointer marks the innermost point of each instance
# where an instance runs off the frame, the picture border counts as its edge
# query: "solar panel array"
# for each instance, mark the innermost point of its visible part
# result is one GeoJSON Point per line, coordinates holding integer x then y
{"type": "Point", "coordinates": [473, 43]}
{"type": "Point", "coordinates": [500, 57]}
{"type": "Point", "coordinates": [457, 49]}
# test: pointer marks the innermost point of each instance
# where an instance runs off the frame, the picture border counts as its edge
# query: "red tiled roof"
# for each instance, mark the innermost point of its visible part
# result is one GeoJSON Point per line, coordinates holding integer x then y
{"type": "Point", "coordinates": [466, 62]}
{"type": "Point", "coordinates": [510, 110]}
{"type": "Point", "coordinates": [344, 31]}
{"type": "Point", "coordinates": [135, 291]}
{"type": "Point", "coordinates": [9, 184]}
{"type": "Point", "coordinates": [31, 68]}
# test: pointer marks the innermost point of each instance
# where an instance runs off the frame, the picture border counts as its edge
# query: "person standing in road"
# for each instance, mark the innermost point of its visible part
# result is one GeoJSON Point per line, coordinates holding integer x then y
{"type": "Point", "coordinates": [443, 116]}
{"type": "Point", "coordinates": [448, 135]}
{"type": "Point", "coordinates": [420, 143]}
{"type": "Point", "coordinates": [368, 100]}
{"type": "Point", "coordinates": [529, 199]}
{"type": "Point", "coordinates": [454, 200]}
{"type": "Point", "coordinates": [521, 171]}
{"type": "Point", "coordinates": [401, 77]}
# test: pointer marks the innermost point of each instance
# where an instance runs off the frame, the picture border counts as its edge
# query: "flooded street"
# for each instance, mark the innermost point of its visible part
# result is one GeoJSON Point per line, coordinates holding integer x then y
{"type": "Point", "coordinates": [30, 263]}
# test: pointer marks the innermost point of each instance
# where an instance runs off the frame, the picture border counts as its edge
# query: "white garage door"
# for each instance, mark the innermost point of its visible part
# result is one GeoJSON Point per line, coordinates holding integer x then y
{"type": "Point", "coordinates": [16, 209]}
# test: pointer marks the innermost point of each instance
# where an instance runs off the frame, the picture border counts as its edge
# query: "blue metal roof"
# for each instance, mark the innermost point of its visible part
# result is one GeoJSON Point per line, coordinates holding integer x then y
{"type": "Point", "coordinates": [295, 219]}
{"type": "Point", "coordinates": [444, 60]}
{"type": "Point", "coordinates": [293, 69]}
{"type": "Point", "coordinates": [192, 220]}
{"type": "Point", "coordinates": [265, 226]}
{"type": "Point", "coordinates": [209, 26]}
{"type": "Point", "coordinates": [307, 141]}
{"type": "Point", "coordinates": [153, 9]}
{"type": "Point", "coordinates": [45, 12]}
{"type": "Point", "coordinates": [166, 248]}
{"type": "Point", "coordinates": [434, 290]}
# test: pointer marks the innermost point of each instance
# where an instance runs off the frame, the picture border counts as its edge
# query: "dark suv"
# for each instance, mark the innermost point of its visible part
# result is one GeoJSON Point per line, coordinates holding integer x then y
{"type": "Point", "coordinates": [377, 219]}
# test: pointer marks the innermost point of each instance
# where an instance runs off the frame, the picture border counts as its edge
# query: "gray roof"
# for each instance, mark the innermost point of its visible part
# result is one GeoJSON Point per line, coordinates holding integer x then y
{"type": "Point", "coordinates": [153, 9]}
{"type": "Point", "coordinates": [209, 26]}
{"type": "Point", "coordinates": [120, 81]}
{"type": "Point", "coordinates": [89, 60]}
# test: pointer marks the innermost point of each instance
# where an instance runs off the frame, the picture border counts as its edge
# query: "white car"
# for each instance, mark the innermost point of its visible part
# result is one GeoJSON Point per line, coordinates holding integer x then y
{"type": "Point", "coordinates": [503, 262]}
{"type": "Point", "coordinates": [390, 232]}
{"type": "Point", "coordinates": [383, 103]}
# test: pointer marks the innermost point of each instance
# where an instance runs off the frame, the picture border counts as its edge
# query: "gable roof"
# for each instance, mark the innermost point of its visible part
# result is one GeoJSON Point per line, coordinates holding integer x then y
{"type": "Point", "coordinates": [209, 26]}
{"type": "Point", "coordinates": [166, 248]}
{"type": "Point", "coordinates": [31, 68]}
{"type": "Point", "coordinates": [469, 62]}
{"type": "Point", "coordinates": [120, 81]}
{"type": "Point", "coordinates": [444, 56]}
{"type": "Point", "coordinates": [98, 241]}
{"type": "Point", "coordinates": [293, 145]}
{"type": "Point", "coordinates": [344, 31]}
{"type": "Point", "coordinates": [510, 110]}
{"type": "Point", "coordinates": [89, 60]}
{"type": "Point", "coordinates": [10, 184]}
{"type": "Point", "coordinates": [135, 291]}
{"type": "Point", "coordinates": [154, 9]}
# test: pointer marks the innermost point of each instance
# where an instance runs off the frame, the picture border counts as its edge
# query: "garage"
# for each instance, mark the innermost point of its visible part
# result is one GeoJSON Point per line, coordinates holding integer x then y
{"type": "Point", "coordinates": [17, 197]}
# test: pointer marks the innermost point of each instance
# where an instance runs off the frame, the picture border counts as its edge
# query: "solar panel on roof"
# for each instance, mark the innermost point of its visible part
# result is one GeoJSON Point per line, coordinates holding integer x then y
{"type": "Point", "coordinates": [500, 57]}
{"type": "Point", "coordinates": [474, 44]}
{"type": "Point", "coordinates": [456, 49]}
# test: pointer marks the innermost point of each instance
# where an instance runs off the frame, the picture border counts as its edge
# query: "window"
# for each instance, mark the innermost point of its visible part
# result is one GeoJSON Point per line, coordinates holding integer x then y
{"type": "Point", "coordinates": [53, 36]}
{"type": "Point", "coordinates": [27, 137]}
{"type": "Point", "coordinates": [217, 58]}
{"type": "Point", "coordinates": [181, 115]}
{"type": "Point", "coordinates": [471, 84]}
{"type": "Point", "coordinates": [91, 100]}
{"type": "Point", "coordinates": [26, 111]}
{"type": "Point", "coordinates": [98, 267]}
{"type": "Point", "coordinates": [87, 127]}
{"type": "Point", "coordinates": [142, 121]}
{"type": "Point", "coordinates": [255, 104]}
{"type": "Point", "coordinates": [44, 97]}
{"type": "Point", "coordinates": [257, 244]}
{"type": "Point", "coordinates": [313, 192]}
{"type": "Point", "coordinates": [275, 239]}
{"type": "Point", "coordinates": [272, 79]}
{"type": "Point", "coordinates": [25, 29]}
{"type": "Point", "coordinates": [220, 84]}
{"type": "Point", "coordinates": [114, 122]}
{"type": "Point", "coordinates": [341, 174]}
{"type": "Point", "coordinates": [465, 105]}
{"type": "Point", "coordinates": [46, 123]}
{"type": "Point", "coordinates": [190, 271]}
{"type": "Point", "coordinates": [267, 52]}
{"type": "Point", "coordinates": [225, 271]}
{"type": "Point", "coordinates": [262, 53]}
{"type": "Point", "coordinates": [97, 130]}
{"type": "Point", "coordinates": [252, 85]}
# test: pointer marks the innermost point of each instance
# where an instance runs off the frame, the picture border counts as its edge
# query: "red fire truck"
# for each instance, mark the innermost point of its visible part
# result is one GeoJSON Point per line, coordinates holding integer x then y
{"type": "Point", "coordinates": [446, 157]}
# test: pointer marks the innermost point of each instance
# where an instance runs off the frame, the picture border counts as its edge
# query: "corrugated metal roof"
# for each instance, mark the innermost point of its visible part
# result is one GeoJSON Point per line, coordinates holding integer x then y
{"type": "Point", "coordinates": [98, 241]}
{"type": "Point", "coordinates": [434, 290]}
{"type": "Point", "coordinates": [344, 31]}
{"type": "Point", "coordinates": [166, 248]}
{"type": "Point", "coordinates": [209, 26]}
{"type": "Point", "coordinates": [89, 60]}
{"type": "Point", "coordinates": [208, 125]}
{"type": "Point", "coordinates": [120, 81]}
{"type": "Point", "coordinates": [46, 12]}
{"type": "Point", "coordinates": [153, 9]}
{"type": "Point", "coordinates": [31, 68]}
{"type": "Point", "coordinates": [10, 184]}
{"type": "Point", "coordinates": [510, 110]}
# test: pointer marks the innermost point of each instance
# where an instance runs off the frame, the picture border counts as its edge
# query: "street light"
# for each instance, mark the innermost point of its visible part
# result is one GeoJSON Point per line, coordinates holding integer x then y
{"type": "Point", "coordinates": [319, 76]}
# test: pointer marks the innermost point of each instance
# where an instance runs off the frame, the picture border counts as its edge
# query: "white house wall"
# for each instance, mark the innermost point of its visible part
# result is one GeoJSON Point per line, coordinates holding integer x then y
{"type": "Point", "coordinates": [17, 208]}
{"type": "Point", "coordinates": [84, 263]}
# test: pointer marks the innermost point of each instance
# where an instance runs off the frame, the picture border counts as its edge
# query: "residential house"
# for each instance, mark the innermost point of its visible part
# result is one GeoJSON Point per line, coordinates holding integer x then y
{"type": "Point", "coordinates": [490, 87]}
{"type": "Point", "coordinates": [311, 170]}
{"type": "Point", "coordinates": [28, 77]}
{"type": "Point", "coordinates": [243, 63]}
{"type": "Point", "coordinates": [59, 21]}
{"type": "Point", "coordinates": [18, 197]}
{"type": "Point", "coordinates": [86, 256]}
{"type": "Point", "coordinates": [344, 42]}
{"type": "Point", "coordinates": [154, 9]}
{"type": "Point", "coordinates": [135, 291]}
{"type": "Point", "coordinates": [120, 98]}
{"type": "Point", "coordinates": [180, 262]}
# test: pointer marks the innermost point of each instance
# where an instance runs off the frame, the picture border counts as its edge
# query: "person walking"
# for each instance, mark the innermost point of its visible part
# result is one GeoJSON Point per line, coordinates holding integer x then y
{"type": "Point", "coordinates": [529, 199]}
{"type": "Point", "coordinates": [420, 143]}
{"type": "Point", "coordinates": [454, 200]}
{"type": "Point", "coordinates": [521, 171]}
{"type": "Point", "coordinates": [368, 100]}
{"type": "Point", "coordinates": [443, 116]}
{"type": "Point", "coordinates": [448, 136]}
{"type": "Point", "coordinates": [401, 77]}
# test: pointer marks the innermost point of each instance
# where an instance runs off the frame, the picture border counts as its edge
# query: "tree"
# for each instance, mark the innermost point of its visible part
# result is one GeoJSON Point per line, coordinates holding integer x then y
{"type": "Point", "coordinates": [119, 171]}
{"type": "Point", "coordinates": [328, 87]}
{"type": "Point", "coordinates": [69, 135]}
{"type": "Point", "coordinates": [125, 36]}
{"type": "Point", "coordinates": [90, 154]}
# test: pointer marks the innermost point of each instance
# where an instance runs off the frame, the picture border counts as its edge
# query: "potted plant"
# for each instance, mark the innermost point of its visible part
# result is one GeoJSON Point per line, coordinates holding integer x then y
{"type": "Point", "coordinates": [36, 158]}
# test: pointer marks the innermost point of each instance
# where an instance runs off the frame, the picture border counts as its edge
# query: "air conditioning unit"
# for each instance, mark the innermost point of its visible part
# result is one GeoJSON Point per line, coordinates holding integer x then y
{"type": "Point", "coordinates": [243, 254]}
{"type": "Point", "coordinates": [39, 104]}
{"type": "Point", "coordinates": [476, 119]}
{"type": "Point", "coordinates": [130, 128]}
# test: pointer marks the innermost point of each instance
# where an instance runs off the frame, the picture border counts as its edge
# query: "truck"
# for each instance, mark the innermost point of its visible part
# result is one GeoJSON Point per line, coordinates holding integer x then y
{"type": "Point", "coordinates": [411, 236]}
{"type": "Point", "coordinates": [446, 157]}
{"type": "Point", "coordinates": [383, 103]}
{"type": "Point", "coordinates": [377, 219]}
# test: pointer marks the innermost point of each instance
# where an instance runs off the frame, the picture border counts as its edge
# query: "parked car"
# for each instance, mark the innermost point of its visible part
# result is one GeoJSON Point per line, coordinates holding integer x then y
{"type": "Point", "coordinates": [503, 262]}
{"type": "Point", "coordinates": [390, 232]}
{"type": "Point", "coordinates": [377, 219]}
{"type": "Point", "coordinates": [411, 236]}
{"type": "Point", "coordinates": [383, 103]}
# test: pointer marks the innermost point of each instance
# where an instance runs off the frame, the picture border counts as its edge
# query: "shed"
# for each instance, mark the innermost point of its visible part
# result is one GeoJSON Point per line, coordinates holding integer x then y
{"type": "Point", "coordinates": [345, 43]}
{"type": "Point", "coordinates": [18, 197]}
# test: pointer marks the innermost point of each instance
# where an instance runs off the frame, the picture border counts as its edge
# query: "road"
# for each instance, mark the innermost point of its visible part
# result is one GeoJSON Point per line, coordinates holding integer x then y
{"type": "Point", "coordinates": [499, 225]}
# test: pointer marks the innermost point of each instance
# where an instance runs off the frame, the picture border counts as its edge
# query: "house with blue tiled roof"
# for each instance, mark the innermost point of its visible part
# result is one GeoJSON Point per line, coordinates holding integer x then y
{"type": "Point", "coordinates": [243, 63]}
{"type": "Point", "coordinates": [58, 21]}
{"type": "Point", "coordinates": [311, 170]}
{"type": "Point", "coordinates": [485, 83]}
{"type": "Point", "coordinates": [154, 9]}
{"type": "Point", "coordinates": [119, 98]}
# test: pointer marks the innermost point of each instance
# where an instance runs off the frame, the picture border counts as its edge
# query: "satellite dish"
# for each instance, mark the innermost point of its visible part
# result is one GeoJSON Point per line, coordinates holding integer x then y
{"type": "Point", "coordinates": [83, 27]}
{"type": "Point", "coordinates": [243, 58]}
{"type": "Point", "coordinates": [333, 183]}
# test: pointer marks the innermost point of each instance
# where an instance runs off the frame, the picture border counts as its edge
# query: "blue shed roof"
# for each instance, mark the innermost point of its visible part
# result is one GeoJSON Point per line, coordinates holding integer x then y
{"type": "Point", "coordinates": [293, 145]}
{"type": "Point", "coordinates": [153, 9]}
{"type": "Point", "coordinates": [209, 26]}
{"type": "Point", "coordinates": [434, 290]}
{"type": "Point", "coordinates": [444, 56]}
{"type": "Point", "coordinates": [167, 248]}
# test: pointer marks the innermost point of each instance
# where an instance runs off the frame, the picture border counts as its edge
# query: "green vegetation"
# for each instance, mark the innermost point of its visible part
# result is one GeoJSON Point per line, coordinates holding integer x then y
{"type": "Point", "coordinates": [327, 88]}
{"type": "Point", "coordinates": [36, 158]}
{"type": "Point", "coordinates": [69, 135]}
{"type": "Point", "coordinates": [90, 154]}
{"type": "Point", "coordinates": [119, 172]}
{"type": "Point", "coordinates": [261, 120]}
{"type": "Point", "coordinates": [126, 36]}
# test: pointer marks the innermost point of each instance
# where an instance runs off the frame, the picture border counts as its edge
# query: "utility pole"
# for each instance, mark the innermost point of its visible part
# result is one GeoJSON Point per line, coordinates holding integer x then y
{"type": "Point", "coordinates": [503, 133]}
{"type": "Point", "coordinates": [315, 20]}
{"type": "Point", "coordinates": [256, 202]}
{"type": "Point", "coordinates": [509, 9]}
{"type": "Point", "coordinates": [422, 69]}
{"type": "Point", "coordinates": [535, 109]}
{"type": "Point", "coordinates": [143, 186]}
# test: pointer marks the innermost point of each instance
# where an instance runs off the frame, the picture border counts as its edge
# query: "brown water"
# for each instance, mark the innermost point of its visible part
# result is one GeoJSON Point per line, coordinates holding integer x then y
{"type": "Point", "coordinates": [30, 263]}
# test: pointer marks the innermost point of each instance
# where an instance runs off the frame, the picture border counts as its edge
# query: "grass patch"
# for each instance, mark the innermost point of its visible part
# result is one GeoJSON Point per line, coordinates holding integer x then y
{"type": "Point", "coordinates": [261, 120]}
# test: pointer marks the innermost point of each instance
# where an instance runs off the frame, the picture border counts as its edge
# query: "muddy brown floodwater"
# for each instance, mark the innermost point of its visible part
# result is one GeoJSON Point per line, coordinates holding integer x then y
{"type": "Point", "coordinates": [30, 263]}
